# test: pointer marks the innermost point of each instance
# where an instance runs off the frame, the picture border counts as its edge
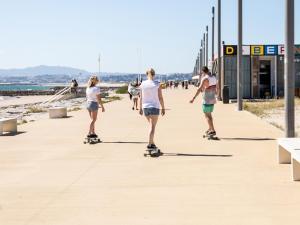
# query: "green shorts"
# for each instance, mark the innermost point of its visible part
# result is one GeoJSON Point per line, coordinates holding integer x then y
{"type": "Point", "coordinates": [208, 108]}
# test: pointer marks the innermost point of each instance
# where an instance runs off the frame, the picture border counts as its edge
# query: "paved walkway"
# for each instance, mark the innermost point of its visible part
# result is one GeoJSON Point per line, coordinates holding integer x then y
{"type": "Point", "coordinates": [49, 177]}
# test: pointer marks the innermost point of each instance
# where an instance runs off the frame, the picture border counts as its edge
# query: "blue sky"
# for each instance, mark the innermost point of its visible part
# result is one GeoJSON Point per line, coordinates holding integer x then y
{"type": "Point", "coordinates": [131, 35]}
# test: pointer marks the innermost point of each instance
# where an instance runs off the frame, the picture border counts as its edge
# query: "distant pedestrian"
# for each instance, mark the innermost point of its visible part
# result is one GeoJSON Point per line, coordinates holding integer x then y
{"type": "Point", "coordinates": [135, 92]}
{"type": "Point", "coordinates": [128, 90]}
{"type": "Point", "coordinates": [186, 85]}
{"type": "Point", "coordinates": [150, 101]}
{"type": "Point", "coordinates": [74, 86]}
{"type": "Point", "coordinates": [208, 86]}
{"type": "Point", "coordinates": [176, 84]}
{"type": "Point", "coordinates": [93, 101]}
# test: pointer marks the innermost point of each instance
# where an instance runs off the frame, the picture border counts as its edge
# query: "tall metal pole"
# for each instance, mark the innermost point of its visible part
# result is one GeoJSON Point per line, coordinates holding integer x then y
{"type": "Point", "coordinates": [219, 45]}
{"type": "Point", "coordinates": [276, 77]}
{"type": "Point", "coordinates": [289, 68]}
{"type": "Point", "coordinates": [240, 57]}
{"type": "Point", "coordinates": [199, 65]}
{"type": "Point", "coordinates": [206, 46]}
{"type": "Point", "coordinates": [204, 52]}
{"type": "Point", "coordinates": [99, 61]}
{"type": "Point", "coordinates": [213, 35]}
{"type": "Point", "coordinates": [201, 59]}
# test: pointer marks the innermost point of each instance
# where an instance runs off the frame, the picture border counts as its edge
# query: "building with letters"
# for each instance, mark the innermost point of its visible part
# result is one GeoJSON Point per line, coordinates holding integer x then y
{"type": "Point", "coordinates": [263, 70]}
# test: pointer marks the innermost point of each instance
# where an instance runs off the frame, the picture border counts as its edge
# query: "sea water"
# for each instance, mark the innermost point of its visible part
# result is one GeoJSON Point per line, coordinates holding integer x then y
{"type": "Point", "coordinates": [23, 87]}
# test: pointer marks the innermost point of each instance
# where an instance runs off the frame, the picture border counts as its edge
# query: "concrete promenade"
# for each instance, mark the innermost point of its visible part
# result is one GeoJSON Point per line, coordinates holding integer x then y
{"type": "Point", "coordinates": [49, 177]}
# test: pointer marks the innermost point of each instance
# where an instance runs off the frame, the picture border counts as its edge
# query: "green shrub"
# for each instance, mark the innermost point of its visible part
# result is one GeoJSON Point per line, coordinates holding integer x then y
{"type": "Point", "coordinates": [111, 99]}
{"type": "Point", "coordinates": [74, 109]}
{"type": "Point", "coordinates": [122, 90]}
{"type": "Point", "coordinates": [22, 122]}
{"type": "Point", "coordinates": [35, 109]}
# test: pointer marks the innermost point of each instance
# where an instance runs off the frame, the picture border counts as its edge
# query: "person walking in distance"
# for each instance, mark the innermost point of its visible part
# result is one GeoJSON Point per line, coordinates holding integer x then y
{"type": "Point", "coordinates": [135, 92]}
{"type": "Point", "coordinates": [209, 88]}
{"type": "Point", "coordinates": [151, 99]}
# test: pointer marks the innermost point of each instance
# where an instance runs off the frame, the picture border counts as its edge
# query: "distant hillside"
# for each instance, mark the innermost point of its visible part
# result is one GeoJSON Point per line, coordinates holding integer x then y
{"type": "Point", "coordinates": [60, 74]}
{"type": "Point", "coordinates": [42, 70]}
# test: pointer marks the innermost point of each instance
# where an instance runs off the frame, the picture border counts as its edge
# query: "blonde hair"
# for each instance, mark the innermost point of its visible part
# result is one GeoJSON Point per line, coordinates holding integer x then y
{"type": "Point", "coordinates": [93, 81]}
{"type": "Point", "coordinates": [151, 72]}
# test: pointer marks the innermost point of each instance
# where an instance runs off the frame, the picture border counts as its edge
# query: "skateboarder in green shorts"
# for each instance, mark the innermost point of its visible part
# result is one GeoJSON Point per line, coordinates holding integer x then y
{"type": "Point", "coordinates": [208, 86]}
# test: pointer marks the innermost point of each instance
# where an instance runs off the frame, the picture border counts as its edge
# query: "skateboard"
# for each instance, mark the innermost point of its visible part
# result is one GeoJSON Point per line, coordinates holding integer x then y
{"type": "Point", "coordinates": [153, 152]}
{"type": "Point", "coordinates": [210, 137]}
{"type": "Point", "coordinates": [92, 140]}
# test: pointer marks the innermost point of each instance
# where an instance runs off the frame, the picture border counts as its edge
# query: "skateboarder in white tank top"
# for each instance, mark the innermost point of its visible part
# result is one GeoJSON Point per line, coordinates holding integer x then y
{"type": "Point", "coordinates": [150, 101]}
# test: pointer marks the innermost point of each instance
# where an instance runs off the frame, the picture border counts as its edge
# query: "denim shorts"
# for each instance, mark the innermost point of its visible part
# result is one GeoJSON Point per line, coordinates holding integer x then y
{"type": "Point", "coordinates": [151, 111]}
{"type": "Point", "coordinates": [92, 106]}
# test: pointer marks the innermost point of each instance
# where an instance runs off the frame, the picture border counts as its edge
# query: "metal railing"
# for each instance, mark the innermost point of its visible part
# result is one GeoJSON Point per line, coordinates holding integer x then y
{"type": "Point", "coordinates": [56, 97]}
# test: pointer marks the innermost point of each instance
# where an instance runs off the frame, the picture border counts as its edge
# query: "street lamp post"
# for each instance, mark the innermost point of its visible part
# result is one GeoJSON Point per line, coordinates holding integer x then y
{"type": "Point", "coordinates": [198, 63]}
{"type": "Point", "coordinates": [202, 55]}
{"type": "Point", "coordinates": [240, 57]}
{"type": "Point", "coordinates": [205, 49]}
{"type": "Point", "coordinates": [206, 62]}
{"type": "Point", "coordinates": [289, 68]}
{"type": "Point", "coordinates": [213, 35]}
{"type": "Point", "coordinates": [201, 59]}
{"type": "Point", "coordinates": [219, 44]}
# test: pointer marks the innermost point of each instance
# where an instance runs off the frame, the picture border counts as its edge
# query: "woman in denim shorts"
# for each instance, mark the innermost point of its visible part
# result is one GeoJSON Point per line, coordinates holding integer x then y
{"type": "Point", "coordinates": [150, 101]}
{"type": "Point", "coordinates": [93, 101]}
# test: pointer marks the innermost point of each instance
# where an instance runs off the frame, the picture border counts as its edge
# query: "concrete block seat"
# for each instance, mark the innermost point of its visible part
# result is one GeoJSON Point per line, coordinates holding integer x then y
{"type": "Point", "coordinates": [289, 152]}
{"type": "Point", "coordinates": [57, 112]}
{"type": "Point", "coordinates": [8, 125]}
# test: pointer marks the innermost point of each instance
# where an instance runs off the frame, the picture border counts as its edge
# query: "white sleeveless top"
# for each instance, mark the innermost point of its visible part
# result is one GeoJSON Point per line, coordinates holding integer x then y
{"type": "Point", "coordinates": [149, 90]}
{"type": "Point", "coordinates": [212, 80]}
{"type": "Point", "coordinates": [209, 94]}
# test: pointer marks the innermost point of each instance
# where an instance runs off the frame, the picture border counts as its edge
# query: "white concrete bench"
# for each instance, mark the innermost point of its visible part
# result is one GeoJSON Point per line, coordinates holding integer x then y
{"type": "Point", "coordinates": [57, 112]}
{"type": "Point", "coordinates": [289, 152]}
{"type": "Point", "coordinates": [8, 125]}
{"type": "Point", "coordinates": [296, 165]}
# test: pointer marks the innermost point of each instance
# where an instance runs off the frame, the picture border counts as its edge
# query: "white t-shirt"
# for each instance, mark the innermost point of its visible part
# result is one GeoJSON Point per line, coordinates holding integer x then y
{"type": "Point", "coordinates": [149, 90]}
{"type": "Point", "coordinates": [91, 94]}
{"type": "Point", "coordinates": [134, 91]}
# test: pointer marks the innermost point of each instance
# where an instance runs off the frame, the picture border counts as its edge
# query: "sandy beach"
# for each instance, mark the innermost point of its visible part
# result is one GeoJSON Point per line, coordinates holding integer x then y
{"type": "Point", "coordinates": [29, 108]}
{"type": "Point", "coordinates": [6, 101]}
{"type": "Point", "coordinates": [273, 112]}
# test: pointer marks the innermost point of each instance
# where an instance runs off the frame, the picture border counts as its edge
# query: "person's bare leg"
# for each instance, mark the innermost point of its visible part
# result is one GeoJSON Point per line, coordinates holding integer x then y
{"type": "Point", "coordinates": [153, 121]}
{"type": "Point", "coordinates": [92, 124]}
{"type": "Point", "coordinates": [135, 102]}
{"type": "Point", "coordinates": [209, 119]}
{"type": "Point", "coordinates": [90, 114]}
